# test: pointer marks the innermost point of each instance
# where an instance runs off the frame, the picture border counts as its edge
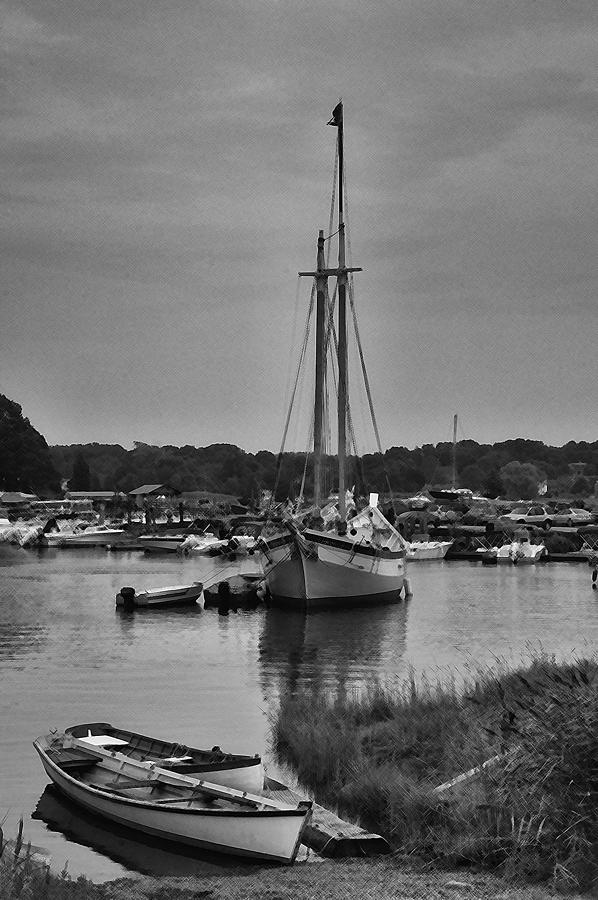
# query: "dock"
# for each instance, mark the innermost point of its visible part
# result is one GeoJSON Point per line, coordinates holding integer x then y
{"type": "Point", "coordinates": [327, 833]}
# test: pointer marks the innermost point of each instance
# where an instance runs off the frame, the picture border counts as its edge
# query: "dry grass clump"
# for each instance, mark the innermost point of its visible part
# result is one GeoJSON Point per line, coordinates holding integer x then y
{"type": "Point", "coordinates": [23, 877]}
{"type": "Point", "coordinates": [379, 758]}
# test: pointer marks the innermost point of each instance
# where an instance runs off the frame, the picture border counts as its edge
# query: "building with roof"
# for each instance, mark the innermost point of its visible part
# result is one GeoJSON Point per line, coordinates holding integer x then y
{"type": "Point", "coordinates": [159, 494]}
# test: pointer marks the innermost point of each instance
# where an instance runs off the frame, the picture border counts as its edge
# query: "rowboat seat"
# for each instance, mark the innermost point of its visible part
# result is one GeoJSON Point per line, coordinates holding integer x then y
{"type": "Point", "coordinates": [169, 761]}
{"type": "Point", "coordinates": [102, 740]}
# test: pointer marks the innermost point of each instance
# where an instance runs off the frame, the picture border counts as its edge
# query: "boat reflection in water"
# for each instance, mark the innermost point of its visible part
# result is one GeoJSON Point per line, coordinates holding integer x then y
{"type": "Point", "coordinates": [336, 650]}
{"type": "Point", "coordinates": [139, 853]}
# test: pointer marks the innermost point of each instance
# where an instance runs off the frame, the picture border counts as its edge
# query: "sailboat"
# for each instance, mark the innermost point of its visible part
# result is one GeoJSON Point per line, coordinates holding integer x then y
{"type": "Point", "coordinates": [360, 559]}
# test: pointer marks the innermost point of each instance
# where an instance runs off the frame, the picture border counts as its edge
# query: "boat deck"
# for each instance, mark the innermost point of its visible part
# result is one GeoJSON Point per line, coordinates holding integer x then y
{"type": "Point", "coordinates": [327, 833]}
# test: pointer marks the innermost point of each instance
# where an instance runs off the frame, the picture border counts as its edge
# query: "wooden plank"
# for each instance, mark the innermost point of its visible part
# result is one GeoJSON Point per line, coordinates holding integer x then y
{"type": "Point", "coordinates": [327, 833]}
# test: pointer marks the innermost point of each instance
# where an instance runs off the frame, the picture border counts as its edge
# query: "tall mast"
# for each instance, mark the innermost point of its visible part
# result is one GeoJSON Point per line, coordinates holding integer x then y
{"type": "Point", "coordinates": [321, 291]}
{"type": "Point", "coordinates": [321, 275]}
{"type": "Point", "coordinates": [337, 120]}
{"type": "Point", "coordinates": [454, 457]}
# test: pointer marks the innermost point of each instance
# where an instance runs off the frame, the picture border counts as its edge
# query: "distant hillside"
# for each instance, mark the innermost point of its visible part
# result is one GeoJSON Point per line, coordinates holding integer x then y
{"type": "Point", "coordinates": [226, 468]}
{"type": "Point", "coordinates": [511, 468]}
{"type": "Point", "coordinates": [25, 461]}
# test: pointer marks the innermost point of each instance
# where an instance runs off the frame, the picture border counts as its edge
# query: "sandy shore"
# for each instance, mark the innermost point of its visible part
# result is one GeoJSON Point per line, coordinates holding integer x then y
{"type": "Point", "coordinates": [382, 877]}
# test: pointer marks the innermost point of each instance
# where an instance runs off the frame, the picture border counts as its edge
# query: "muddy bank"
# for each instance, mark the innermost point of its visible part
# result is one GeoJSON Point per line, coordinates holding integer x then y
{"type": "Point", "coordinates": [382, 877]}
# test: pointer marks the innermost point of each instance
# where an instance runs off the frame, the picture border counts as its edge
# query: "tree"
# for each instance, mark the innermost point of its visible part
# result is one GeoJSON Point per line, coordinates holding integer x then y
{"type": "Point", "coordinates": [25, 461]}
{"type": "Point", "coordinates": [581, 485]}
{"type": "Point", "coordinates": [521, 480]}
{"type": "Point", "coordinates": [81, 477]}
{"type": "Point", "coordinates": [492, 484]}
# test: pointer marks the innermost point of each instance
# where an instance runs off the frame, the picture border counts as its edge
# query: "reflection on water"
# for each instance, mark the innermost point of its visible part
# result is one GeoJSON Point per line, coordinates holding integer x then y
{"type": "Point", "coordinates": [141, 853]}
{"type": "Point", "coordinates": [332, 649]}
{"type": "Point", "coordinates": [20, 639]}
{"type": "Point", "coordinates": [68, 656]}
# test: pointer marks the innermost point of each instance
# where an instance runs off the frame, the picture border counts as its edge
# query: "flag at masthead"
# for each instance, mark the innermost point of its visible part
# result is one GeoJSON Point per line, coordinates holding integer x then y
{"type": "Point", "coordinates": [337, 115]}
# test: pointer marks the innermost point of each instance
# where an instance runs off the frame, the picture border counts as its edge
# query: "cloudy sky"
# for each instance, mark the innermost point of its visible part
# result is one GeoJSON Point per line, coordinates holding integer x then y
{"type": "Point", "coordinates": [166, 166]}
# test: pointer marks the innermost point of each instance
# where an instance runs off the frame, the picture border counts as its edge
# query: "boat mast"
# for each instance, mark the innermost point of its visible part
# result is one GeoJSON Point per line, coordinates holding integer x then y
{"type": "Point", "coordinates": [337, 120]}
{"type": "Point", "coordinates": [321, 292]}
{"type": "Point", "coordinates": [454, 478]}
{"type": "Point", "coordinates": [321, 275]}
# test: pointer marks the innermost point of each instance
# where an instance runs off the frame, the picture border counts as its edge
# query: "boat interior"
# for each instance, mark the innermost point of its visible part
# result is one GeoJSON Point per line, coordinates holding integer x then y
{"type": "Point", "coordinates": [177, 757]}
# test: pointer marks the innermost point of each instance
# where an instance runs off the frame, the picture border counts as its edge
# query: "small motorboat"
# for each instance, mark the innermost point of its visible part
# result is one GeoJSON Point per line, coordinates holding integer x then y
{"type": "Point", "coordinates": [520, 551]}
{"type": "Point", "coordinates": [246, 773]}
{"type": "Point", "coordinates": [174, 595]}
{"type": "Point", "coordinates": [94, 772]}
{"type": "Point", "coordinates": [160, 543]}
{"type": "Point", "coordinates": [87, 536]}
{"type": "Point", "coordinates": [242, 591]}
{"type": "Point", "coordinates": [419, 550]}
{"type": "Point", "coordinates": [201, 544]}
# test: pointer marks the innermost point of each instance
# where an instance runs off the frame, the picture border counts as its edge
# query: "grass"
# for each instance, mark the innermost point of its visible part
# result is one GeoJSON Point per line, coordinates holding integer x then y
{"type": "Point", "coordinates": [378, 757]}
{"type": "Point", "coordinates": [24, 877]}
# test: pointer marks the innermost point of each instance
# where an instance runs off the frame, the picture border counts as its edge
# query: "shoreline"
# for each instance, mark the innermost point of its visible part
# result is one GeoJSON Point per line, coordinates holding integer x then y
{"type": "Point", "coordinates": [379, 877]}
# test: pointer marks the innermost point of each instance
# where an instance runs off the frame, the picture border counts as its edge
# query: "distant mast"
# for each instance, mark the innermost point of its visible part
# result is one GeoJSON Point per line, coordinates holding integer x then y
{"type": "Point", "coordinates": [454, 456]}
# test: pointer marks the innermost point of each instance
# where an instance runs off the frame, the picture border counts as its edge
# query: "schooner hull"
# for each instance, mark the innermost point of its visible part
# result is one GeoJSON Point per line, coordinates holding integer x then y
{"type": "Point", "coordinates": [335, 578]}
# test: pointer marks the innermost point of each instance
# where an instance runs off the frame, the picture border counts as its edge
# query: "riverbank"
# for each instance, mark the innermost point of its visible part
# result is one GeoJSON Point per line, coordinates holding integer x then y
{"type": "Point", "coordinates": [497, 775]}
{"type": "Point", "coordinates": [383, 878]}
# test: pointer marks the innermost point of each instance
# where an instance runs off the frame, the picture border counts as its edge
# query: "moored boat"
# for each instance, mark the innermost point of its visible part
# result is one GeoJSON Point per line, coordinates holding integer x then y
{"type": "Point", "coordinates": [178, 808]}
{"type": "Point", "coordinates": [234, 770]}
{"type": "Point", "coordinates": [173, 595]}
{"type": "Point", "coordinates": [160, 543]}
{"type": "Point", "coordinates": [348, 561]}
{"type": "Point", "coordinates": [92, 536]}
{"type": "Point", "coordinates": [420, 550]}
{"type": "Point", "coordinates": [520, 551]}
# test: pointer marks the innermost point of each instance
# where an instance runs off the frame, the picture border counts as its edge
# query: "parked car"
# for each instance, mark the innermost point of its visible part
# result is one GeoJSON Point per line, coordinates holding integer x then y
{"type": "Point", "coordinates": [531, 515]}
{"type": "Point", "coordinates": [572, 516]}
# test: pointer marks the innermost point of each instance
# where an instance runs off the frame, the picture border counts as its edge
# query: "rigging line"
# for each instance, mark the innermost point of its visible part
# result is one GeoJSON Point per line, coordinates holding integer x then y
{"type": "Point", "coordinates": [293, 334]}
{"type": "Point", "coordinates": [299, 368]}
{"type": "Point", "coordinates": [306, 459]}
{"type": "Point", "coordinates": [366, 382]}
{"type": "Point", "coordinates": [363, 368]}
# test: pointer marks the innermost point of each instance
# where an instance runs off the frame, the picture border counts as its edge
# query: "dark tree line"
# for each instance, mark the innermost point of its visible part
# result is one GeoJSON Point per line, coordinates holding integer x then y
{"type": "Point", "coordinates": [25, 461]}
{"type": "Point", "coordinates": [510, 468]}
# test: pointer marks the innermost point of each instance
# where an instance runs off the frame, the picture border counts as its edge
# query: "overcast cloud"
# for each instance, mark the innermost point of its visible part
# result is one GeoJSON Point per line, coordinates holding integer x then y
{"type": "Point", "coordinates": [166, 167]}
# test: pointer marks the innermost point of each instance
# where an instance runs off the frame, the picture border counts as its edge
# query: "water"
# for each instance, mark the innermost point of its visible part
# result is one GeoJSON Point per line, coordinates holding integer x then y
{"type": "Point", "coordinates": [68, 656]}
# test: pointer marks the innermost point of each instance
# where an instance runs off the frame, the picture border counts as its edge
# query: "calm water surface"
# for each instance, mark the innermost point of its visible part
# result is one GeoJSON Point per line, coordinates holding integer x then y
{"type": "Point", "coordinates": [67, 656]}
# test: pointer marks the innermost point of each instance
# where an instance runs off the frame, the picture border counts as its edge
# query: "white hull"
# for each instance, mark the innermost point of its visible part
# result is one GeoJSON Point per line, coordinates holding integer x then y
{"type": "Point", "coordinates": [168, 543]}
{"type": "Point", "coordinates": [515, 554]}
{"type": "Point", "coordinates": [420, 550]}
{"type": "Point", "coordinates": [166, 596]}
{"type": "Point", "coordinates": [89, 538]}
{"type": "Point", "coordinates": [339, 576]}
{"type": "Point", "coordinates": [268, 834]}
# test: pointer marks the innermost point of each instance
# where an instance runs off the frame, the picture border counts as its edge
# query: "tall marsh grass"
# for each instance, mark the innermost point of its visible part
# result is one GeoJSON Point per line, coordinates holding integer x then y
{"type": "Point", "coordinates": [379, 756]}
{"type": "Point", "coordinates": [24, 877]}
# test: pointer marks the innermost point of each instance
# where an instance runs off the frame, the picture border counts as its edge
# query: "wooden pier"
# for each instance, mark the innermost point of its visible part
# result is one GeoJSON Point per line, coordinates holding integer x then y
{"type": "Point", "coordinates": [327, 833]}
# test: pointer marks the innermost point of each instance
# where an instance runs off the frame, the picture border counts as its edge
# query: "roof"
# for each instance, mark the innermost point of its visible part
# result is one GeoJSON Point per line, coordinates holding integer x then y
{"type": "Point", "coordinates": [153, 489]}
{"type": "Point", "coordinates": [16, 497]}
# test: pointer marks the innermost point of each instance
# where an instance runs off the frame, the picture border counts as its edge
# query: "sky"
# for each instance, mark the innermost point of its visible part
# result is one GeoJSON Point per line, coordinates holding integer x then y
{"type": "Point", "coordinates": [165, 169]}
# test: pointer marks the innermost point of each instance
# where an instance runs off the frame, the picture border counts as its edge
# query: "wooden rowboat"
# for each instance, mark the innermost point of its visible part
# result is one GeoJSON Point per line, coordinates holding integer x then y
{"type": "Point", "coordinates": [170, 805]}
{"type": "Point", "coordinates": [234, 770]}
